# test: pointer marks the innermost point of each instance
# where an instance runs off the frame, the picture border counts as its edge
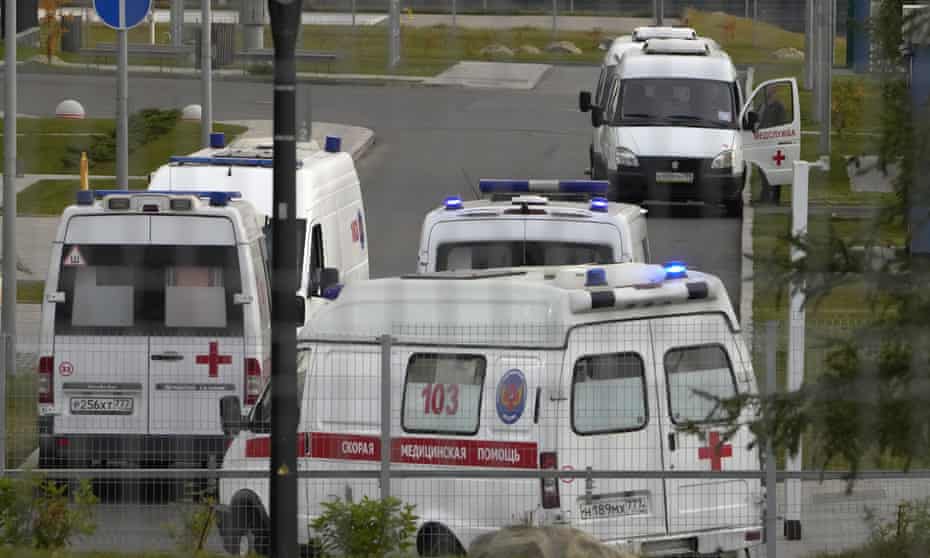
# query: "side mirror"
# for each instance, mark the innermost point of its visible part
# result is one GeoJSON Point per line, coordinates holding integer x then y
{"type": "Point", "coordinates": [300, 310]}
{"type": "Point", "coordinates": [597, 116]}
{"type": "Point", "coordinates": [751, 121]}
{"type": "Point", "coordinates": [231, 415]}
{"type": "Point", "coordinates": [584, 101]}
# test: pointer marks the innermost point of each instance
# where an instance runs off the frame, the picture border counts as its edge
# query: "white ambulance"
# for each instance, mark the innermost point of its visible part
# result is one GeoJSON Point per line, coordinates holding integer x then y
{"type": "Point", "coordinates": [156, 305]}
{"type": "Point", "coordinates": [672, 125]}
{"type": "Point", "coordinates": [532, 223]}
{"type": "Point", "coordinates": [333, 239]}
{"type": "Point", "coordinates": [613, 368]}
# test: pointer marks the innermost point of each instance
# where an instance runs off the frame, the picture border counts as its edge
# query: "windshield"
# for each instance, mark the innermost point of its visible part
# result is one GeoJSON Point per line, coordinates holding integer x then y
{"type": "Point", "coordinates": [679, 102]}
{"type": "Point", "coordinates": [148, 290]}
{"type": "Point", "coordinates": [485, 255]}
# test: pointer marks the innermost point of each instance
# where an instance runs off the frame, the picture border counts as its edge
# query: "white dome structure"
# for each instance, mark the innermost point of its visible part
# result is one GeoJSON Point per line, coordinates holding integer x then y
{"type": "Point", "coordinates": [69, 108]}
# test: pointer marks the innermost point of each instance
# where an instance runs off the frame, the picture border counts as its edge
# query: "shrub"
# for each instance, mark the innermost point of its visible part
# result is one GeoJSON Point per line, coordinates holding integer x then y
{"type": "Point", "coordinates": [196, 524]}
{"type": "Point", "coordinates": [366, 528]}
{"type": "Point", "coordinates": [907, 535]}
{"type": "Point", "coordinates": [36, 512]}
{"type": "Point", "coordinates": [846, 107]}
{"type": "Point", "coordinates": [145, 126]}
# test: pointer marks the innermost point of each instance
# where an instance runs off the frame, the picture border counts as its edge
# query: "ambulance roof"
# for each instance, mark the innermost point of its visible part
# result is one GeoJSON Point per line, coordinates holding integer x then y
{"type": "Point", "coordinates": [523, 307]}
{"type": "Point", "coordinates": [240, 211]}
{"type": "Point", "coordinates": [714, 64]}
{"type": "Point", "coordinates": [319, 173]}
{"type": "Point", "coordinates": [543, 208]}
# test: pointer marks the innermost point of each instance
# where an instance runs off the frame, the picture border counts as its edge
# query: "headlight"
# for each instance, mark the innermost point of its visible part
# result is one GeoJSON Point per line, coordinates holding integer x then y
{"type": "Point", "coordinates": [723, 161]}
{"type": "Point", "coordinates": [626, 158]}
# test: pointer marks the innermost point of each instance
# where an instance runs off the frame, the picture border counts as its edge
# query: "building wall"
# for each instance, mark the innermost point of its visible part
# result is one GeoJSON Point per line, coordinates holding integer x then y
{"type": "Point", "coordinates": [27, 15]}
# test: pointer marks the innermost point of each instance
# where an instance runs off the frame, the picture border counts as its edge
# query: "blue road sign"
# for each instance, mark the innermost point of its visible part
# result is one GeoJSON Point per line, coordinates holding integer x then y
{"type": "Point", "coordinates": [136, 10]}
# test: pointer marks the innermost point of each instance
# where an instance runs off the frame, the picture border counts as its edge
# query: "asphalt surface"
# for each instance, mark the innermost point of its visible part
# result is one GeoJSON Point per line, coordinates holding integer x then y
{"type": "Point", "coordinates": [430, 142]}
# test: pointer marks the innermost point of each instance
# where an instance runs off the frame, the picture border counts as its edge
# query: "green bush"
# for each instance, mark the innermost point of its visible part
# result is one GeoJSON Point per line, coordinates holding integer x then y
{"type": "Point", "coordinates": [196, 524]}
{"type": "Point", "coordinates": [36, 512]}
{"type": "Point", "coordinates": [907, 535]}
{"type": "Point", "coordinates": [145, 126]}
{"type": "Point", "coordinates": [367, 528]}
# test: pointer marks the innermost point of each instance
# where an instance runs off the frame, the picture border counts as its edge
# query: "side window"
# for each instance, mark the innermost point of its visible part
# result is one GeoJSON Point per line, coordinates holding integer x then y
{"type": "Point", "coordinates": [609, 394]}
{"type": "Point", "coordinates": [697, 377]}
{"type": "Point", "coordinates": [646, 257]}
{"type": "Point", "coordinates": [442, 393]}
{"type": "Point", "coordinates": [301, 247]}
{"type": "Point", "coordinates": [774, 105]}
{"type": "Point", "coordinates": [613, 93]}
{"type": "Point", "coordinates": [598, 91]}
{"type": "Point", "coordinates": [317, 259]}
{"type": "Point", "coordinates": [261, 282]}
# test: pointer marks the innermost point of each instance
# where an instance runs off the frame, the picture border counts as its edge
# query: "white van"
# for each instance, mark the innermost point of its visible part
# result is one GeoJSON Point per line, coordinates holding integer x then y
{"type": "Point", "coordinates": [333, 239]}
{"type": "Point", "coordinates": [532, 223]}
{"type": "Point", "coordinates": [156, 305]}
{"type": "Point", "coordinates": [672, 126]}
{"type": "Point", "coordinates": [601, 367]}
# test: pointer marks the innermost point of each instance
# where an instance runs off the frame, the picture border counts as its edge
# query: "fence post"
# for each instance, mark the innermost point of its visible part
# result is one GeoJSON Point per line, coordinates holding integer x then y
{"type": "Point", "coordinates": [771, 486]}
{"type": "Point", "coordinates": [386, 341]}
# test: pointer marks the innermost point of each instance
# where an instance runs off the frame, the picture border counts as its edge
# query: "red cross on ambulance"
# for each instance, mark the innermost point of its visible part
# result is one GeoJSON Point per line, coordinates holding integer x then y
{"type": "Point", "coordinates": [715, 451]}
{"type": "Point", "coordinates": [214, 359]}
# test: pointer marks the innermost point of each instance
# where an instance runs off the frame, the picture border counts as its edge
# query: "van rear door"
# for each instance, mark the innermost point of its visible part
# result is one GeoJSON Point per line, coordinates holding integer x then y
{"type": "Point", "coordinates": [698, 363]}
{"type": "Point", "coordinates": [197, 337]}
{"type": "Point", "coordinates": [613, 426]}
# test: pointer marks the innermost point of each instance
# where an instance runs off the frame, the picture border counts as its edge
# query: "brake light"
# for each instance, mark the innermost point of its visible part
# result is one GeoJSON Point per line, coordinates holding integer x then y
{"type": "Point", "coordinates": [549, 486]}
{"type": "Point", "coordinates": [253, 380]}
{"type": "Point", "coordinates": [46, 382]}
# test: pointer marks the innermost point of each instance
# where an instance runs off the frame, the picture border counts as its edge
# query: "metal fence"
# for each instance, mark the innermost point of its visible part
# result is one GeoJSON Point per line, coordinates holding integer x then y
{"type": "Point", "coordinates": [613, 430]}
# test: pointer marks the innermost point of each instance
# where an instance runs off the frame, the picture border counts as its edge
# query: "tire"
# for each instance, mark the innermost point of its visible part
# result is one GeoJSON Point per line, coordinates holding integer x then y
{"type": "Point", "coordinates": [249, 533]}
{"type": "Point", "coordinates": [434, 541]}
{"type": "Point", "coordinates": [734, 208]}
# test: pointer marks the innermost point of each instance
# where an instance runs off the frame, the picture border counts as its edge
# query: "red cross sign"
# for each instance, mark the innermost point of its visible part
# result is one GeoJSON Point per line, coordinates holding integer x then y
{"type": "Point", "coordinates": [214, 359]}
{"type": "Point", "coordinates": [778, 157]}
{"type": "Point", "coordinates": [715, 451]}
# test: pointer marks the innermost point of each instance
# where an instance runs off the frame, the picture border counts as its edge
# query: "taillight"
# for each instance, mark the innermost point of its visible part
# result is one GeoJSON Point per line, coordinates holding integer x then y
{"type": "Point", "coordinates": [253, 380]}
{"type": "Point", "coordinates": [46, 383]}
{"type": "Point", "coordinates": [550, 486]}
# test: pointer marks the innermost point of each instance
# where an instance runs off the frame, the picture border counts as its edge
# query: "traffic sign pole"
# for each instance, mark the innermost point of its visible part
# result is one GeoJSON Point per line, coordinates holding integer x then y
{"type": "Point", "coordinates": [122, 103]}
{"type": "Point", "coordinates": [206, 74]}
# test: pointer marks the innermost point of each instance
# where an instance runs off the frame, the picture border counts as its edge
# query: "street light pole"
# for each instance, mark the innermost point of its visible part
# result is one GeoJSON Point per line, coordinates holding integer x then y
{"type": "Point", "coordinates": [206, 74]}
{"type": "Point", "coordinates": [285, 19]}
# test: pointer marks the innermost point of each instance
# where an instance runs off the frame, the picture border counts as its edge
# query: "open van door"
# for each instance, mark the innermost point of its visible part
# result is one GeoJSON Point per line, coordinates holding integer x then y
{"type": "Point", "coordinates": [771, 129]}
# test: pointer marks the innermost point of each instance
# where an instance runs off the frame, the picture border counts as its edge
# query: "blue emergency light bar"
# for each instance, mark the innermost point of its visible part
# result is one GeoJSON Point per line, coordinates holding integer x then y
{"type": "Point", "coordinates": [453, 202]}
{"type": "Point", "coordinates": [599, 204]}
{"type": "Point", "coordinates": [675, 270]}
{"type": "Point", "coordinates": [217, 198]}
{"type": "Point", "coordinates": [505, 186]}
{"type": "Point", "coordinates": [223, 161]}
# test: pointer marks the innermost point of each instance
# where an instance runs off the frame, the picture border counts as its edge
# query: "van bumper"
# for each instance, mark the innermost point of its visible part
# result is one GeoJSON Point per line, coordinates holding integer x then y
{"type": "Point", "coordinates": [696, 543]}
{"type": "Point", "coordinates": [74, 451]}
{"type": "Point", "coordinates": [638, 184]}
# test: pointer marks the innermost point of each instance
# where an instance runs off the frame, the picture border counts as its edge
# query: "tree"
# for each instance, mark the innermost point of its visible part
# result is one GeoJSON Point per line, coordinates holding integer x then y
{"type": "Point", "coordinates": [53, 27]}
{"type": "Point", "coordinates": [873, 396]}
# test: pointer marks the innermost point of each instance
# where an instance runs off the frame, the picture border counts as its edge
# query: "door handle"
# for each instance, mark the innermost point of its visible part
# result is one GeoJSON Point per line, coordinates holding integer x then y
{"type": "Point", "coordinates": [170, 356]}
{"type": "Point", "coordinates": [672, 441]}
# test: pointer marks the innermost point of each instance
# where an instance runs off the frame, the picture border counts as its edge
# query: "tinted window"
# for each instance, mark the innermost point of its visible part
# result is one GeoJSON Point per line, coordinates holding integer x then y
{"type": "Point", "coordinates": [697, 377]}
{"type": "Point", "coordinates": [774, 105]}
{"type": "Point", "coordinates": [442, 393]}
{"type": "Point", "coordinates": [676, 102]}
{"type": "Point", "coordinates": [608, 393]}
{"type": "Point", "coordinates": [149, 290]}
{"type": "Point", "coordinates": [485, 255]}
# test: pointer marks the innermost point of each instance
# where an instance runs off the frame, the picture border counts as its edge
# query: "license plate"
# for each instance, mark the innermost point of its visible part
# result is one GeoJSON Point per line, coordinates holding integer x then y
{"type": "Point", "coordinates": [101, 405]}
{"type": "Point", "coordinates": [614, 507]}
{"type": "Point", "coordinates": [675, 177]}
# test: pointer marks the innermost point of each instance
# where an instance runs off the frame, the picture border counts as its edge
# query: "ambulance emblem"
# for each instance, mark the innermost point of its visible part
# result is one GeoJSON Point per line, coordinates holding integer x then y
{"type": "Point", "coordinates": [511, 396]}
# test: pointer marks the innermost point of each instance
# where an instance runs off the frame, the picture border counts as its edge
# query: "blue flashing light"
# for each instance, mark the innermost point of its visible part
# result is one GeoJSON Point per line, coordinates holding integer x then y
{"type": "Point", "coordinates": [583, 186]}
{"type": "Point", "coordinates": [217, 198]}
{"type": "Point", "coordinates": [599, 205]}
{"type": "Point", "coordinates": [596, 277]}
{"type": "Point", "coordinates": [675, 270]}
{"type": "Point", "coordinates": [333, 144]}
{"type": "Point", "coordinates": [217, 140]}
{"type": "Point", "coordinates": [85, 197]}
{"type": "Point", "coordinates": [503, 186]}
{"type": "Point", "coordinates": [453, 202]}
{"type": "Point", "coordinates": [223, 161]}
{"type": "Point", "coordinates": [332, 292]}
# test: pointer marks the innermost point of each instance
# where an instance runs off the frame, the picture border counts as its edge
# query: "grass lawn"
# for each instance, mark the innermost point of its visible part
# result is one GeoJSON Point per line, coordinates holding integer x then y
{"type": "Point", "coordinates": [31, 553]}
{"type": "Point", "coordinates": [29, 292]}
{"type": "Point", "coordinates": [51, 197]}
{"type": "Point", "coordinates": [22, 434]}
{"type": "Point", "coordinates": [42, 145]}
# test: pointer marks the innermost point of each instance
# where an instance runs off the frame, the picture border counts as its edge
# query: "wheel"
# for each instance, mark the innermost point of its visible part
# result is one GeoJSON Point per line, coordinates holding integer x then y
{"type": "Point", "coordinates": [435, 540]}
{"type": "Point", "coordinates": [249, 533]}
{"type": "Point", "coordinates": [734, 207]}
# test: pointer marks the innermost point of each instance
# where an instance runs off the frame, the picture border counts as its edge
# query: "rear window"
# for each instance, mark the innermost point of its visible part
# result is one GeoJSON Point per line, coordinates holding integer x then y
{"type": "Point", "coordinates": [149, 290]}
{"type": "Point", "coordinates": [487, 255]}
{"type": "Point", "coordinates": [442, 393]}
{"type": "Point", "coordinates": [609, 393]}
{"type": "Point", "coordinates": [697, 378]}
